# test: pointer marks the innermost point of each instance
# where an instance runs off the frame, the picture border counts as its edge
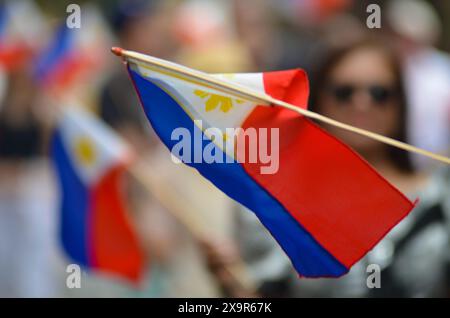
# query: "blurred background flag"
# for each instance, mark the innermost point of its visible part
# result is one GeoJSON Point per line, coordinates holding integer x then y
{"type": "Point", "coordinates": [325, 206]}
{"type": "Point", "coordinates": [90, 161]}
{"type": "Point", "coordinates": [73, 55]}
{"type": "Point", "coordinates": [22, 30]}
{"type": "Point", "coordinates": [60, 62]}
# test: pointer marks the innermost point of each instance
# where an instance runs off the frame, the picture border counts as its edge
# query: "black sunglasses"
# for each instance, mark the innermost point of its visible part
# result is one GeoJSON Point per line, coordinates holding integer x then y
{"type": "Point", "coordinates": [379, 94]}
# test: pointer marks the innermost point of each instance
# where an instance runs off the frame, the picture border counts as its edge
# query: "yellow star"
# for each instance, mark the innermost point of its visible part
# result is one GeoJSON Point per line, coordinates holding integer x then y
{"type": "Point", "coordinates": [85, 151]}
{"type": "Point", "coordinates": [213, 101]}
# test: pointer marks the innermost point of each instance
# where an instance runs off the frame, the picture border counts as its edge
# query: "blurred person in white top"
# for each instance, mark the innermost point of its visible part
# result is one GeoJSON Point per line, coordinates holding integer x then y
{"type": "Point", "coordinates": [417, 29]}
{"type": "Point", "coordinates": [27, 227]}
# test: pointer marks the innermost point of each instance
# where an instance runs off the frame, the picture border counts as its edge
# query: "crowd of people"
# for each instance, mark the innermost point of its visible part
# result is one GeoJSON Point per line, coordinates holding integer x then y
{"type": "Point", "coordinates": [393, 81]}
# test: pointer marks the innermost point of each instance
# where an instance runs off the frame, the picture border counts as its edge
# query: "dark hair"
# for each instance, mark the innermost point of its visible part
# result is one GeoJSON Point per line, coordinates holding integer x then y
{"type": "Point", "coordinates": [399, 158]}
{"type": "Point", "coordinates": [127, 11]}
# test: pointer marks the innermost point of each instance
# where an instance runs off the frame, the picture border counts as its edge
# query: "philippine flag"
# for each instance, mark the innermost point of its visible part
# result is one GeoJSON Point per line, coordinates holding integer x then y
{"type": "Point", "coordinates": [73, 54]}
{"type": "Point", "coordinates": [18, 39]}
{"type": "Point", "coordinates": [95, 231]}
{"type": "Point", "coordinates": [325, 205]}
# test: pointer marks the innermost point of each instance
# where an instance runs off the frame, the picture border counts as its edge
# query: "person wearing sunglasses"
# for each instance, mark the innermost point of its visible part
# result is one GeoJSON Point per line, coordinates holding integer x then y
{"type": "Point", "coordinates": [361, 84]}
{"type": "Point", "coordinates": [379, 94]}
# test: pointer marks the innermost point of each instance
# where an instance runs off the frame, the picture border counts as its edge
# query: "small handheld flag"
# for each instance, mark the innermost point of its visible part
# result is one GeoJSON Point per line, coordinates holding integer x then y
{"type": "Point", "coordinates": [73, 55]}
{"type": "Point", "coordinates": [60, 63]}
{"type": "Point", "coordinates": [21, 29]}
{"type": "Point", "coordinates": [95, 231]}
{"type": "Point", "coordinates": [325, 205]}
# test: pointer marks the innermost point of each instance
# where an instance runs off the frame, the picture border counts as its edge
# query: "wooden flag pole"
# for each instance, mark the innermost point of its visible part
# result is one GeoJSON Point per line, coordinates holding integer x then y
{"type": "Point", "coordinates": [180, 212]}
{"type": "Point", "coordinates": [229, 87]}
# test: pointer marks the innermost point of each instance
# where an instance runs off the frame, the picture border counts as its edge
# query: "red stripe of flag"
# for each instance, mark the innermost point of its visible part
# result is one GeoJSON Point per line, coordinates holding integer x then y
{"type": "Point", "coordinates": [344, 203]}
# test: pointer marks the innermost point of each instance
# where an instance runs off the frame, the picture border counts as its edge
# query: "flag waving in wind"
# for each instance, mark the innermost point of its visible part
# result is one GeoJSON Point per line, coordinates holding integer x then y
{"type": "Point", "coordinates": [21, 28]}
{"type": "Point", "coordinates": [73, 55]}
{"type": "Point", "coordinates": [95, 231]}
{"type": "Point", "coordinates": [324, 204]}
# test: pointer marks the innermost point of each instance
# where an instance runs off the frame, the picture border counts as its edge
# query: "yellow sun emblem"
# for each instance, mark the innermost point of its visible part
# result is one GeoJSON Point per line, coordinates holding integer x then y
{"type": "Point", "coordinates": [213, 101]}
{"type": "Point", "coordinates": [85, 151]}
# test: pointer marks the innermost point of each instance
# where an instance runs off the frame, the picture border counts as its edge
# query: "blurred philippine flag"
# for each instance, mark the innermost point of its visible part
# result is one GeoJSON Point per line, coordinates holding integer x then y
{"type": "Point", "coordinates": [73, 56]}
{"type": "Point", "coordinates": [324, 204]}
{"type": "Point", "coordinates": [95, 231]}
{"type": "Point", "coordinates": [18, 40]}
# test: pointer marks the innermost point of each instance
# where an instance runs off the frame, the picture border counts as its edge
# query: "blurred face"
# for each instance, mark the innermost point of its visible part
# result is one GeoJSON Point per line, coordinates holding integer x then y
{"type": "Point", "coordinates": [361, 91]}
{"type": "Point", "coordinates": [149, 34]}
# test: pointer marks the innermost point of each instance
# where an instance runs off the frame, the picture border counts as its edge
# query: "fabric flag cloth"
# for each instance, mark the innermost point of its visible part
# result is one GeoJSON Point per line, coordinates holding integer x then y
{"type": "Point", "coordinates": [95, 231]}
{"type": "Point", "coordinates": [73, 54]}
{"type": "Point", "coordinates": [18, 40]}
{"type": "Point", "coordinates": [326, 206]}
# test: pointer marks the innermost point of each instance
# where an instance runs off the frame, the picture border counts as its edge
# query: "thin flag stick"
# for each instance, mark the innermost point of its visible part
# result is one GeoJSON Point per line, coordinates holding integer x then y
{"type": "Point", "coordinates": [179, 211]}
{"type": "Point", "coordinates": [262, 98]}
